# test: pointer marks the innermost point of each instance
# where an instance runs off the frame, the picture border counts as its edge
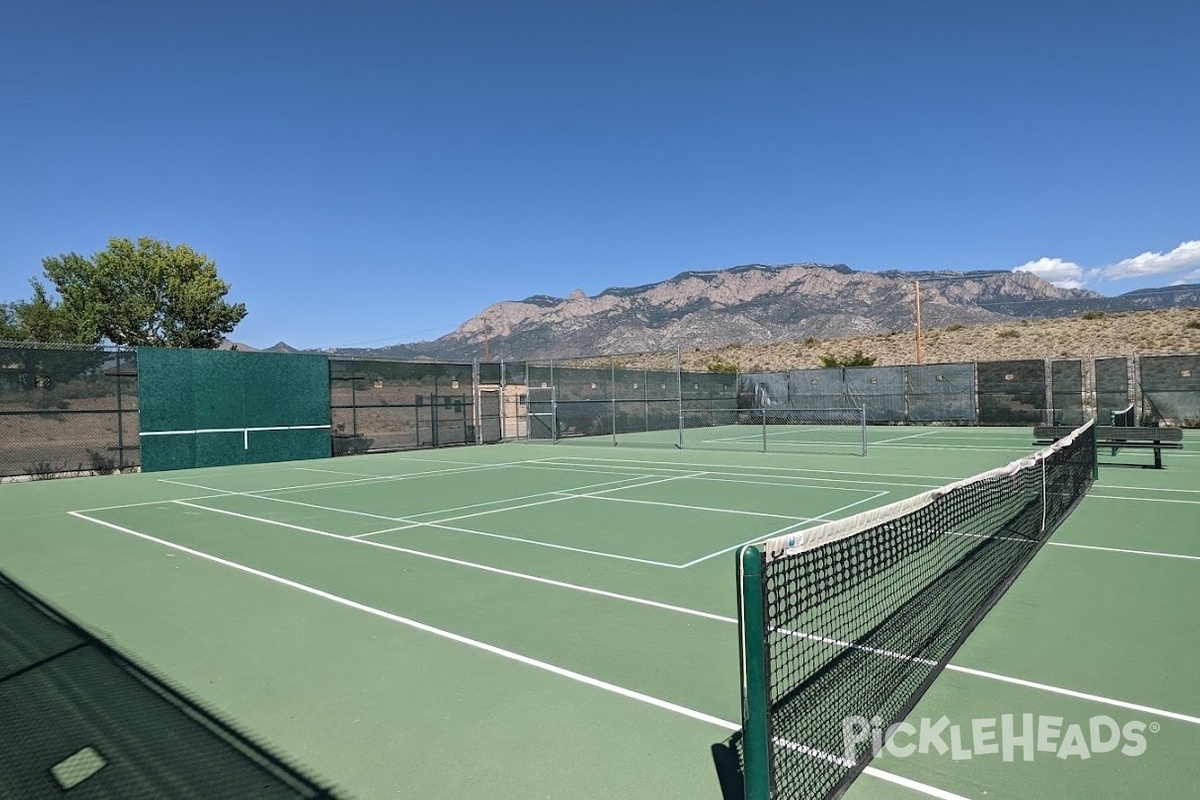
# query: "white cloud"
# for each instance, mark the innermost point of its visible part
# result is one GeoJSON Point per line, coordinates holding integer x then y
{"type": "Point", "coordinates": [1184, 257]}
{"type": "Point", "coordinates": [1063, 274]}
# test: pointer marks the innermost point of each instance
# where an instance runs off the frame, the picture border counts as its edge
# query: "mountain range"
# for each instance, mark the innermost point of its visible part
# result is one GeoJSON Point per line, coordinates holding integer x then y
{"type": "Point", "coordinates": [760, 304]}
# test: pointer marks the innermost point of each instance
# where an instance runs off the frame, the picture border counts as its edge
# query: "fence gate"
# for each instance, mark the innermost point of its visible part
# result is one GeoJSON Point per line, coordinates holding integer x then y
{"type": "Point", "coordinates": [489, 416]}
{"type": "Point", "coordinates": [542, 415]}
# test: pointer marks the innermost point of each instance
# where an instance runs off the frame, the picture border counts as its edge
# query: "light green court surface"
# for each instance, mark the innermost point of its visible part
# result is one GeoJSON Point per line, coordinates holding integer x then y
{"type": "Point", "coordinates": [556, 621]}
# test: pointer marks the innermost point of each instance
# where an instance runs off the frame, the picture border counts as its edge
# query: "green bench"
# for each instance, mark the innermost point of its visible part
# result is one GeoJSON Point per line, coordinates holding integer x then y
{"type": "Point", "coordinates": [1118, 438]}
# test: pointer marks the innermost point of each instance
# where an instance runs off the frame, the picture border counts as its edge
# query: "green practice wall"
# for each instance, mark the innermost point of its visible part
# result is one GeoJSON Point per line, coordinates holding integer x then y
{"type": "Point", "coordinates": [200, 408]}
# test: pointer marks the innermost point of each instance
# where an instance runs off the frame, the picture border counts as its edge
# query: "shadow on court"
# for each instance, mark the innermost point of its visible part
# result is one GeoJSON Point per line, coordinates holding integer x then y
{"type": "Point", "coordinates": [81, 718]}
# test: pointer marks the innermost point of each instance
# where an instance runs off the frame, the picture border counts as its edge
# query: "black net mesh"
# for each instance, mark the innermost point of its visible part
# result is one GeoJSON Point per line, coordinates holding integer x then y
{"type": "Point", "coordinates": [80, 720]}
{"type": "Point", "coordinates": [67, 410]}
{"type": "Point", "coordinates": [860, 615]}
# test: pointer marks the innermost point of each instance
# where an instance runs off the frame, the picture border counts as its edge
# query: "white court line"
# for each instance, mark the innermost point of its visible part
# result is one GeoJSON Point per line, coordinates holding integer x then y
{"type": "Point", "coordinates": [762, 467]}
{"type": "Point", "coordinates": [984, 448]}
{"type": "Point", "coordinates": [441, 524]}
{"type": "Point", "coordinates": [494, 650]}
{"type": "Point", "coordinates": [411, 523]}
{"type": "Point", "coordinates": [824, 517]}
{"type": "Point", "coordinates": [300, 488]}
{"type": "Point", "coordinates": [1144, 499]}
{"type": "Point", "coordinates": [1158, 712]}
{"type": "Point", "coordinates": [392, 518]}
{"type": "Point", "coordinates": [686, 507]}
{"type": "Point", "coordinates": [708, 476]}
{"type": "Point", "coordinates": [144, 503]}
{"type": "Point", "coordinates": [453, 509]}
{"type": "Point", "coordinates": [1123, 550]}
{"type": "Point", "coordinates": [359, 538]}
{"type": "Point", "coordinates": [304, 487]}
{"type": "Point", "coordinates": [387, 478]}
{"type": "Point", "coordinates": [414, 523]}
{"type": "Point", "coordinates": [334, 472]}
{"type": "Point", "coordinates": [1152, 489]}
{"type": "Point", "coordinates": [669, 607]}
{"type": "Point", "coordinates": [407, 457]}
{"type": "Point", "coordinates": [744, 475]}
{"type": "Point", "coordinates": [902, 438]}
{"type": "Point", "coordinates": [530, 463]}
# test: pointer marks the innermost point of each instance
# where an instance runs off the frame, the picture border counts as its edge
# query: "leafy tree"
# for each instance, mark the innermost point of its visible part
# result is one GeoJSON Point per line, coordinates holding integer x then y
{"type": "Point", "coordinates": [40, 319]}
{"type": "Point", "coordinates": [9, 325]}
{"type": "Point", "coordinates": [148, 293]}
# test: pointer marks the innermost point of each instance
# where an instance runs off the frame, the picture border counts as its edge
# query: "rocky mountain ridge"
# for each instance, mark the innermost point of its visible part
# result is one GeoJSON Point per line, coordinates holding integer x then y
{"type": "Point", "coordinates": [757, 304]}
{"type": "Point", "coordinates": [760, 304]}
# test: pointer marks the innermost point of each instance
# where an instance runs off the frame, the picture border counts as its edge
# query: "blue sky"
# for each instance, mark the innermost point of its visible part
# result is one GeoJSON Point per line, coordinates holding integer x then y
{"type": "Point", "coordinates": [372, 173]}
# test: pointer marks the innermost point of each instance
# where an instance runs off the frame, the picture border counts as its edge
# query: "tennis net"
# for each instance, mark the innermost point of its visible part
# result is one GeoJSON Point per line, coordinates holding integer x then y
{"type": "Point", "coordinates": [850, 622]}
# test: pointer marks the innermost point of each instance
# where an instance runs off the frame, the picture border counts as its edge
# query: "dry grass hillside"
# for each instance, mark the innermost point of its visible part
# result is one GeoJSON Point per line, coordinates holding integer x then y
{"type": "Point", "coordinates": [1161, 332]}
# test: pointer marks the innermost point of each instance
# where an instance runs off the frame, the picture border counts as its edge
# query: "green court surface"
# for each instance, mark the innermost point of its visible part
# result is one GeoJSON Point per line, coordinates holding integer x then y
{"type": "Point", "coordinates": [558, 621]}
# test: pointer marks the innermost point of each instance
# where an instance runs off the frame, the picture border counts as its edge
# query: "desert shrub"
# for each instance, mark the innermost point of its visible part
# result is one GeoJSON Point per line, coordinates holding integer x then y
{"type": "Point", "coordinates": [721, 365]}
{"type": "Point", "coordinates": [101, 463]}
{"type": "Point", "coordinates": [856, 360]}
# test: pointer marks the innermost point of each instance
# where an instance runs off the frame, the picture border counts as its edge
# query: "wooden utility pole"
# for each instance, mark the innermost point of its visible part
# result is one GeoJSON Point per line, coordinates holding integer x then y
{"type": "Point", "coordinates": [487, 341]}
{"type": "Point", "coordinates": [920, 343]}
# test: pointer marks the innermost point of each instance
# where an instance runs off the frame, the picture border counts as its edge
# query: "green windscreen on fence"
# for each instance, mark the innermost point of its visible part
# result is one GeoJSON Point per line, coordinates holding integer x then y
{"type": "Point", "coordinates": [205, 408]}
{"type": "Point", "coordinates": [1011, 392]}
{"type": "Point", "coordinates": [940, 393]}
{"type": "Point", "coordinates": [1112, 387]}
{"type": "Point", "coordinates": [879, 389]}
{"type": "Point", "coordinates": [1066, 393]}
{"type": "Point", "coordinates": [1171, 389]}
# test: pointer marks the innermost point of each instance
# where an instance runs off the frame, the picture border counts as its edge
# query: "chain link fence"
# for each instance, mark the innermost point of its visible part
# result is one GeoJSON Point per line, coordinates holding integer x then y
{"type": "Point", "coordinates": [1170, 389]}
{"type": "Point", "coordinates": [75, 410]}
{"type": "Point", "coordinates": [67, 410]}
{"type": "Point", "coordinates": [378, 405]}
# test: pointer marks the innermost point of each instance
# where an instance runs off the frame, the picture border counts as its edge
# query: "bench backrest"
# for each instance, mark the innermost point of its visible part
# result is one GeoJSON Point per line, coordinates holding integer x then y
{"type": "Point", "coordinates": [1105, 433]}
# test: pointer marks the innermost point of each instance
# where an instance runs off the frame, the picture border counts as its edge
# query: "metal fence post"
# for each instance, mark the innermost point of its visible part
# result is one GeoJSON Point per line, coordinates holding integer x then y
{"type": "Point", "coordinates": [752, 641]}
{"type": "Point", "coordinates": [679, 391]}
{"type": "Point", "coordinates": [120, 420]}
{"type": "Point", "coordinates": [612, 394]}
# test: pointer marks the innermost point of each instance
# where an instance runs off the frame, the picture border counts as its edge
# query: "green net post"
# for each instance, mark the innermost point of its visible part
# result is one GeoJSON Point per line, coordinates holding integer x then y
{"type": "Point", "coordinates": [757, 765]}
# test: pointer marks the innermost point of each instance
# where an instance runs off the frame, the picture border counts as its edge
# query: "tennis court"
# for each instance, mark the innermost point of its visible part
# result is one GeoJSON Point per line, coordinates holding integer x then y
{"type": "Point", "coordinates": [536, 620]}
